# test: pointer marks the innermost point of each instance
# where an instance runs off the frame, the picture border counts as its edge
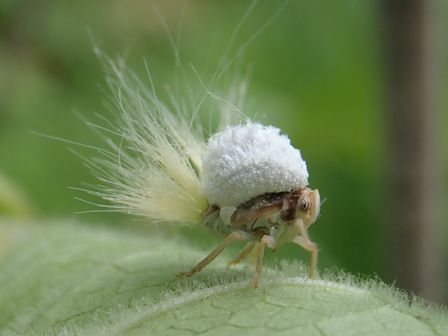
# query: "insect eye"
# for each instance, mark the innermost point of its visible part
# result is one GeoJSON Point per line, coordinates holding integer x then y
{"type": "Point", "coordinates": [304, 205]}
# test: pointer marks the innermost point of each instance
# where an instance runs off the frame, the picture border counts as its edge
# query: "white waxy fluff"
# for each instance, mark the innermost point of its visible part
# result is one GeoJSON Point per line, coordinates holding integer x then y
{"type": "Point", "coordinates": [152, 167]}
{"type": "Point", "coordinates": [248, 160]}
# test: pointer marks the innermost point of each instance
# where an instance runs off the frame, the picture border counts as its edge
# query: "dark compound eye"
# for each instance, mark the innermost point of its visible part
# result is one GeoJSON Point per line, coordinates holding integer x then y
{"type": "Point", "coordinates": [304, 205]}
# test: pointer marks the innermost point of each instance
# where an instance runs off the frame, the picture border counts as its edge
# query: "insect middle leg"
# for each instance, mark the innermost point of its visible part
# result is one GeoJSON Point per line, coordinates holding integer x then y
{"type": "Point", "coordinates": [243, 254]}
{"type": "Point", "coordinates": [235, 235]}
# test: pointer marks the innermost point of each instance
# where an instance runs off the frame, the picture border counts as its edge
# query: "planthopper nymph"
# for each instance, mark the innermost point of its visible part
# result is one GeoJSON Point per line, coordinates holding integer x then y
{"type": "Point", "coordinates": [246, 181]}
{"type": "Point", "coordinates": [256, 187]}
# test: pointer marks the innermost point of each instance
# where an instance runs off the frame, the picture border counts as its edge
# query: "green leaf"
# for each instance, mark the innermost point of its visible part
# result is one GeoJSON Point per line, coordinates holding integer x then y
{"type": "Point", "coordinates": [72, 279]}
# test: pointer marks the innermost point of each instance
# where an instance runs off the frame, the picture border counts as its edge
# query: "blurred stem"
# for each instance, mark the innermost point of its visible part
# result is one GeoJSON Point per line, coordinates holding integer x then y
{"type": "Point", "coordinates": [412, 168]}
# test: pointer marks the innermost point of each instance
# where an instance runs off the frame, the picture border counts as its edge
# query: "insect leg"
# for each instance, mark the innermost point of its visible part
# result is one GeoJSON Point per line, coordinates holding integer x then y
{"type": "Point", "coordinates": [243, 254]}
{"type": "Point", "coordinates": [235, 235]}
{"type": "Point", "coordinates": [304, 241]}
{"type": "Point", "coordinates": [265, 240]}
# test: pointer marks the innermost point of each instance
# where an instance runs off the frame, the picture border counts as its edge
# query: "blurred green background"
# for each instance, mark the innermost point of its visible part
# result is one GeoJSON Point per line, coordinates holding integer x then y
{"type": "Point", "coordinates": [316, 73]}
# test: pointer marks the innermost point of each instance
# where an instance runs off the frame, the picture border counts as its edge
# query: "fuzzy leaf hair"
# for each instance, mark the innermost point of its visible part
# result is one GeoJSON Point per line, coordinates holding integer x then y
{"type": "Point", "coordinates": [153, 166]}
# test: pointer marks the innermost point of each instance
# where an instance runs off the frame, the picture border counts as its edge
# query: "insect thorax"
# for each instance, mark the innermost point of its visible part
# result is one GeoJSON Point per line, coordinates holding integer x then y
{"type": "Point", "coordinates": [257, 216]}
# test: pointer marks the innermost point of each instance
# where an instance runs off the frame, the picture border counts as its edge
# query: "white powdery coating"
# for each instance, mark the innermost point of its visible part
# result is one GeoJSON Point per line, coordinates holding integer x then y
{"type": "Point", "coordinates": [245, 161]}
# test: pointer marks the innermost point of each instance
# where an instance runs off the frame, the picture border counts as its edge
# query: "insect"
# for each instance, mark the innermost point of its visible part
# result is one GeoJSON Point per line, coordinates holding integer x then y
{"type": "Point", "coordinates": [246, 181]}
{"type": "Point", "coordinates": [255, 183]}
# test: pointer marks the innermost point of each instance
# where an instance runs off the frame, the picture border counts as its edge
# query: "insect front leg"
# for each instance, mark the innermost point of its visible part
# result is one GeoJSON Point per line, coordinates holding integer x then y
{"type": "Point", "coordinates": [270, 242]}
{"type": "Point", "coordinates": [311, 247]}
{"type": "Point", "coordinates": [235, 235]}
{"type": "Point", "coordinates": [304, 241]}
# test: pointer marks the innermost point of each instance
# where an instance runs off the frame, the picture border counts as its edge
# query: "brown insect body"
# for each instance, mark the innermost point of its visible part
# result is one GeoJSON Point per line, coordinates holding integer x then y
{"type": "Point", "coordinates": [270, 219]}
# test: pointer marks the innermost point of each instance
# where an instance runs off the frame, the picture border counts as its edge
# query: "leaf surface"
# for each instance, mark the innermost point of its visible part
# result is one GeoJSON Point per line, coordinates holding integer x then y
{"type": "Point", "coordinates": [72, 279]}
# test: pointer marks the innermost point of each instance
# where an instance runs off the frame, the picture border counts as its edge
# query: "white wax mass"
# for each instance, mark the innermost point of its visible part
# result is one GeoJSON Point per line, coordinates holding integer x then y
{"type": "Point", "coordinates": [248, 160]}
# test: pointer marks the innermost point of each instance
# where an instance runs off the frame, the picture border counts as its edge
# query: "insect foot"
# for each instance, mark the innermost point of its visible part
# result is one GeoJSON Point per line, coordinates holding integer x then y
{"type": "Point", "coordinates": [181, 275]}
